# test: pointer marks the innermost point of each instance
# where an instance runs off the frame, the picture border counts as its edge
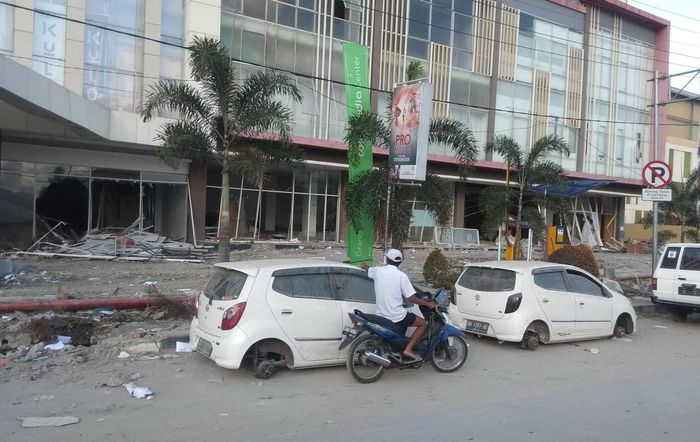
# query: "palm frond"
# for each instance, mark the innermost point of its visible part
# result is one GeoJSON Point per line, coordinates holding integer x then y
{"type": "Point", "coordinates": [265, 115]}
{"type": "Point", "coordinates": [400, 214]}
{"type": "Point", "coordinates": [415, 70]}
{"type": "Point", "coordinates": [544, 146]}
{"type": "Point", "coordinates": [211, 66]}
{"type": "Point", "coordinates": [183, 139]}
{"type": "Point", "coordinates": [263, 85]}
{"type": "Point", "coordinates": [255, 158]}
{"type": "Point", "coordinates": [546, 172]}
{"type": "Point", "coordinates": [363, 127]}
{"type": "Point", "coordinates": [438, 199]}
{"type": "Point", "coordinates": [493, 203]}
{"type": "Point", "coordinates": [458, 137]}
{"type": "Point", "coordinates": [366, 196]}
{"type": "Point", "coordinates": [182, 98]}
{"type": "Point", "coordinates": [535, 220]}
{"type": "Point", "coordinates": [508, 148]}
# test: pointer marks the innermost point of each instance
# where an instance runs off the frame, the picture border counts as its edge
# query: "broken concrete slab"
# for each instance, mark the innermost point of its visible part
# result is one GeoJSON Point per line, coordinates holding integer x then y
{"type": "Point", "coordinates": [51, 421]}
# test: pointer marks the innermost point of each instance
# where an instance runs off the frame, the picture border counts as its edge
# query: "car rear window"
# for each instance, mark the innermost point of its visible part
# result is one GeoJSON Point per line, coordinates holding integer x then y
{"type": "Point", "coordinates": [691, 259]}
{"type": "Point", "coordinates": [670, 260]}
{"type": "Point", "coordinates": [225, 284]}
{"type": "Point", "coordinates": [486, 279]}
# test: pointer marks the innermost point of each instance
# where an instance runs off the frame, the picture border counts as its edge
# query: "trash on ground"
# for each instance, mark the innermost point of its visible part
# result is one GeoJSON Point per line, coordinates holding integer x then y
{"type": "Point", "coordinates": [64, 339]}
{"type": "Point", "coordinates": [660, 326]}
{"type": "Point", "coordinates": [57, 346]}
{"type": "Point", "coordinates": [123, 355]}
{"type": "Point", "coordinates": [595, 351]}
{"type": "Point", "coordinates": [182, 347]}
{"type": "Point", "coordinates": [138, 392]}
{"type": "Point", "coordinates": [51, 421]}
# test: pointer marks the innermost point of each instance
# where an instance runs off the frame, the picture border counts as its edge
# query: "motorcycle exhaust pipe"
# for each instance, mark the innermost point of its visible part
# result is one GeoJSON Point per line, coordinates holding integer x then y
{"type": "Point", "coordinates": [378, 359]}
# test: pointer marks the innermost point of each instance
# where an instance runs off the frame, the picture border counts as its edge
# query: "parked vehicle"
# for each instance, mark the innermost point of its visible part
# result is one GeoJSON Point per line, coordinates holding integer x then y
{"type": "Point", "coordinates": [532, 302]}
{"type": "Point", "coordinates": [676, 280]}
{"type": "Point", "coordinates": [377, 344]}
{"type": "Point", "coordinates": [285, 312]}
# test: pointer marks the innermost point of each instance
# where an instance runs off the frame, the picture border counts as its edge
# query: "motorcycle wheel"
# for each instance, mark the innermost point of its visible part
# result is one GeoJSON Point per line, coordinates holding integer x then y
{"type": "Point", "coordinates": [359, 366]}
{"type": "Point", "coordinates": [447, 357]}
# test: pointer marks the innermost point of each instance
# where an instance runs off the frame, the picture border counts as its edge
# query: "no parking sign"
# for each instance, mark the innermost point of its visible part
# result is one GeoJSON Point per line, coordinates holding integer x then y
{"type": "Point", "coordinates": [656, 174]}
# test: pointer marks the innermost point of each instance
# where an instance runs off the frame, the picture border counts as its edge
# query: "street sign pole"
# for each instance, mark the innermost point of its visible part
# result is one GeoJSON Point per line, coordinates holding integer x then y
{"type": "Point", "coordinates": [655, 222]}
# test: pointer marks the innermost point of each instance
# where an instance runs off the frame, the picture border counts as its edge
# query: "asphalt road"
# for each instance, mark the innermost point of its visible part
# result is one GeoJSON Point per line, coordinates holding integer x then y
{"type": "Point", "coordinates": [645, 389]}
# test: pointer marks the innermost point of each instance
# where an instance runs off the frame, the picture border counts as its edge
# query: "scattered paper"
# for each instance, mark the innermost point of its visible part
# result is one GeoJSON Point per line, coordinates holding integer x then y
{"type": "Point", "coordinates": [64, 339]}
{"type": "Point", "coordinates": [54, 421]}
{"type": "Point", "coordinates": [57, 346]}
{"type": "Point", "coordinates": [595, 351]}
{"type": "Point", "coordinates": [138, 392]}
{"type": "Point", "coordinates": [123, 355]}
{"type": "Point", "coordinates": [181, 347]}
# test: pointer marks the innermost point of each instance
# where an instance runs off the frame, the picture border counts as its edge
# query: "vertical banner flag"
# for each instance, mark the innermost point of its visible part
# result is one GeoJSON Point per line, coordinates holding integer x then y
{"type": "Point", "coordinates": [355, 60]}
{"type": "Point", "coordinates": [410, 126]}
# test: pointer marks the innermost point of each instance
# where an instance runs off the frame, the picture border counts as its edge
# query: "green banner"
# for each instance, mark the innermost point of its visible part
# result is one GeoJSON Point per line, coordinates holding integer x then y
{"type": "Point", "coordinates": [355, 58]}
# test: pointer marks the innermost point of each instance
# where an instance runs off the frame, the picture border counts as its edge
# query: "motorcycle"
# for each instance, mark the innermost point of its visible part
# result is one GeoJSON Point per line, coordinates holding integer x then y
{"type": "Point", "coordinates": [377, 344]}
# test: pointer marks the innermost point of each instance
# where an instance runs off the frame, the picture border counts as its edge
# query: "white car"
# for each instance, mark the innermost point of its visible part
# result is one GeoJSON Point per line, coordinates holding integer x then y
{"type": "Point", "coordinates": [676, 280]}
{"type": "Point", "coordinates": [285, 312]}
{"type": "Point", "coordinates": [533, 302]}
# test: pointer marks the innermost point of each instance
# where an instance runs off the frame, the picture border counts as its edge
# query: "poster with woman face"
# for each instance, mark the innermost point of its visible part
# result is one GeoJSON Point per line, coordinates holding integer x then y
{"type": "Point", "coordinates": [410, 122]}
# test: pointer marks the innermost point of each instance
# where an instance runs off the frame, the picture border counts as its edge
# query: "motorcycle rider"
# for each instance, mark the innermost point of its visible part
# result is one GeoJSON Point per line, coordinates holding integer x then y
{"type": "Point", "coordinates": [391, 285]}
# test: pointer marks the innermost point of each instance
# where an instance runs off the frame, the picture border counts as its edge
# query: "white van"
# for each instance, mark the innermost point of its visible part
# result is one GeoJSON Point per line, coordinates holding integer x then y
{"type": "Point", "coordinates": [676, 280]}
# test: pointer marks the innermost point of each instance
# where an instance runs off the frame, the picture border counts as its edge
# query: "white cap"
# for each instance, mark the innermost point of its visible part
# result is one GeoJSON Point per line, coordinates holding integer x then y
{"type": "Point", "coordinates": [394, 255]}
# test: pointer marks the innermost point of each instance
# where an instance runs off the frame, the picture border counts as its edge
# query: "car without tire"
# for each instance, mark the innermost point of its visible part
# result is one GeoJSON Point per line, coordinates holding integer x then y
{"type": "Point", "coordinates": [538, 302]}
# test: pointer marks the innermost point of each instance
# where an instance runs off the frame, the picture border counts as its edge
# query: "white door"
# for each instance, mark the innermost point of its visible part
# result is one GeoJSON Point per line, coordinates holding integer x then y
{"type": "Point", "coordinates": [307, 312]}
{"type": "Point", "coordinates": [556, 301]}
{"type": "Point", "coordinates": [687, 281]}
{"type": "Point", "coordinates": [667, 282]}
{"type": "Point", "coordinates": [593, 307]}
{"type": "Point", "coordinates": [355, 291]}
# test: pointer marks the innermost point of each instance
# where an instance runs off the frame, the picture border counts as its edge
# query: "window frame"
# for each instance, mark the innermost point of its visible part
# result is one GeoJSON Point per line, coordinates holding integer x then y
{"type": "Point", "coordinates": [682, 259]}
{"type": "Point", "coordinates": [604, 292]}
{"type": "Point", "coordinates": [561, 273]}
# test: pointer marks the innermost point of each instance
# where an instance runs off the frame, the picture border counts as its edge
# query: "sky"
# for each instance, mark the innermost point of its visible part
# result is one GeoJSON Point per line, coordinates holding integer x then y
{"type": "Point", "coordinates": [684, 16]}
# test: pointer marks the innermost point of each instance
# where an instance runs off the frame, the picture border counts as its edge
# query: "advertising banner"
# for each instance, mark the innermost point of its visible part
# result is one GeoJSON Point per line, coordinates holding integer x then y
{"type": "Point", "coordinates": [356, 63]}
{"type": "Point", "coordinates": [410, 126]}
{"type": "Point", "coordinates": [49, 40]}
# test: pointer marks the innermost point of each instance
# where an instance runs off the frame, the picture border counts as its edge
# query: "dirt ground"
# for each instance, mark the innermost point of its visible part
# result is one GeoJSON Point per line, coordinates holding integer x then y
{"type": "Point", "coordinates": [48, 278]}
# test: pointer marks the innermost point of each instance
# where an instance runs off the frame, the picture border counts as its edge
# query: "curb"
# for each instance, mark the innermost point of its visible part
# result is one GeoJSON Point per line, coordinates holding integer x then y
{"type": "Point", "coordinates": [650, 309]}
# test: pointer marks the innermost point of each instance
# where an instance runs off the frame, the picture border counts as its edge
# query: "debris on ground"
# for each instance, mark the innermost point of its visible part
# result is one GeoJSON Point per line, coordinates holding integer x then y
{"type": "Point", "coordinates": [138, 392]}
{"type": "Point", "coordinates": [51, 421]}
{"type": "Point", "coordinates": [124, 243]}
{"type": "Point", "coordinates": [595, 351]}
{"type": "Point", "coordinates": [183, 347]}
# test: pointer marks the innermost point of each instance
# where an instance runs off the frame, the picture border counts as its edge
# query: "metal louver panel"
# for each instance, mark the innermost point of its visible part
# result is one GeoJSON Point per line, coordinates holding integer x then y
{"type": "Point", "coordinates": [540, 104]}
{"type": "Point", "coordinates": [440, 77]}
{"type": "Point", "coordinates": [394, 22]}
{"type": "Point", "coordinates": [574, 86]}
{"type": "Point", "coordinates": [484, 32]}
{"type": "Point", "coordinates": [507, 58]}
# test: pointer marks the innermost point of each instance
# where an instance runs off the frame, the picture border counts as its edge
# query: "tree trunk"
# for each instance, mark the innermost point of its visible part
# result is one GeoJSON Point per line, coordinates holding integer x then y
{"type": "Point", "coordinates": [518, 230]}
{"type": "Point", "coordinates": [224, 217]}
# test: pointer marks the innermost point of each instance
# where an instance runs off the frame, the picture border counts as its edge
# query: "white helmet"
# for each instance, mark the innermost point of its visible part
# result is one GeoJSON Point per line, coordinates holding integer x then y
{"type": "Point", "coordinates": [394, 255]}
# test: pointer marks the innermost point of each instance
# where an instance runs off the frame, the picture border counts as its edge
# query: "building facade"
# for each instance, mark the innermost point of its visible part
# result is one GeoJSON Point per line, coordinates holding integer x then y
{"type": "Point", "coordinates": [74, 73]}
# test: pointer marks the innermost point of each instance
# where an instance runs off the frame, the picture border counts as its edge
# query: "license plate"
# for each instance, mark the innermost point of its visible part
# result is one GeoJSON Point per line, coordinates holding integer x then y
{"type": "Point", "coordinates": [688, 290]}
{"type": "Point", "coordinates": [350, 332]}
{"type": "Point", "coordinates": [204, 347]}
{"type": "Point", "coordinates": [477, 326]}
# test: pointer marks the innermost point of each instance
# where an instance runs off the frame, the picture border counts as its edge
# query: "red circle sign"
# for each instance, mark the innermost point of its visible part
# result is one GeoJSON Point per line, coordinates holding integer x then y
{"type": "Point", "coordinates": [656, 174]}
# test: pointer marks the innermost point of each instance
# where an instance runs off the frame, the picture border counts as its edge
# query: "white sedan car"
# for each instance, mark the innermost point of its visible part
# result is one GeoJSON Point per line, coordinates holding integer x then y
{"type": "Point", "coordinates": [285, 312]}
{"type": "Point", "coordinates": [533, 302]}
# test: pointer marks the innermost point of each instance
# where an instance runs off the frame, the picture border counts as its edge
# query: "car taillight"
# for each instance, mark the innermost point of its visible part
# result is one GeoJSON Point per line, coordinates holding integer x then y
{"type": "Point", "coordinates": [653, 283]}
{"type": "Point", "coordinates": [513, 302]}
{"type": "Point", "coordinates": [232, 316]}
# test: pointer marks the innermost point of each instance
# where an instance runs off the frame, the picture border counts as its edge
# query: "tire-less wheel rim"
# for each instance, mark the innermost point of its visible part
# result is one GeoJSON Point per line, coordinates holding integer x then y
{"type": "Point", "coordinates": [361, 365]}
{"type": "Point", "coordinates": [447, 356]}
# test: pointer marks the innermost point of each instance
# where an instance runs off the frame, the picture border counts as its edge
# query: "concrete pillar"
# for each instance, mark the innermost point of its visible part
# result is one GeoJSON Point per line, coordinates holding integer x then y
{"type": "Point", "coordinates": [75, 46]}
{"type": "Point", "coordinates": [198, 192]}
{"type": "Point", "coordinates": [151, 49]}
{"type": "Point", "coordinates": [24, 33]}
{"type": "Point", "coordinates": [458, 212]}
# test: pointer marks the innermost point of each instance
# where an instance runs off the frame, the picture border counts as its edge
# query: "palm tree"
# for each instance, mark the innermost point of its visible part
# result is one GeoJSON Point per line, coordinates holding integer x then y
{"type": "Point", "coordinates": [244, 125]}
{"type": "Point", "coordinates": [683, 210]}
{"type": "Point", "coordinates": [526, 168]}
{"type": "Point", "coordinates": [367, 192]}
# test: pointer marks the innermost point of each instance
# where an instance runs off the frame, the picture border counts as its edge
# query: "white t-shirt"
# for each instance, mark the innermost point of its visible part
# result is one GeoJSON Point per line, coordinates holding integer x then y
{"type": "Point", "coordinates": [390, 284]}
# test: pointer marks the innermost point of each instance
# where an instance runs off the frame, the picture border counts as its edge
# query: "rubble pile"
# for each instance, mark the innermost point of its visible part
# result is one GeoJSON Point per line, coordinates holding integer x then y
{"type": "Point", "coordinates": [130, 243]}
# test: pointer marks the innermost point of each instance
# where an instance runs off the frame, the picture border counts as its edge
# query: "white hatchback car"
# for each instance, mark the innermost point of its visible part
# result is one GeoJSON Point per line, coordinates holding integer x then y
{"type": "Point", "coordinates": [285, 312]}
{"type": "Point", "coordinates": [533, 302]}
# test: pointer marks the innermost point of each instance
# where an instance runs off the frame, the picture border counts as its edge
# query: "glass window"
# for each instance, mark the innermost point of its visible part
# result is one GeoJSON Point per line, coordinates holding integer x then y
{"type": "Point", "coordinates": [580, 283]}
{"type": "Point", "coordinates": [254, 8]}
{"type": "Point", "coordinates": [551, 280]}
{"type": "Point", "coordinates": [527, 23]}
{"type": "Point", "coordinates": [306, 20]}
{"type": "Point", "coordinates": [7, 15]}
{"type": "Point", "coordinates": [286, 15]}
{"type": "Point", "coordinates": [441, 26]}
{"type": "Point", "coordinates": [670, 258]}
{"type": "Point", "coordinates": [354, 288]}
{"type": "Point", "coordinates": [225, 285]}
{"type": "Point", "coordinates": [303, 286]}
{"type": "Point", "coordinates": [485, 279]}
{"type": "Point", "coordinates": [418, 20]}
{"type": "Point", "coordinates": [691, 259]}
{"type": "Point", "coordinates": [462, 30]}
{"type": "Point", "coordinates": [417, 48]}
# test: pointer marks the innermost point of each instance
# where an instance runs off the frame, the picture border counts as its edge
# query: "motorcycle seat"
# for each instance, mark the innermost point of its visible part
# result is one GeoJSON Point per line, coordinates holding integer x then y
{"type": "Point", "coordinates": [380, 320]}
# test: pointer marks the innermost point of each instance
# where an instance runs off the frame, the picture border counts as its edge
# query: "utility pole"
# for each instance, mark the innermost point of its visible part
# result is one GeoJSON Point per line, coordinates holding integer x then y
{"type": "Point", "coordinates": [655, 222]}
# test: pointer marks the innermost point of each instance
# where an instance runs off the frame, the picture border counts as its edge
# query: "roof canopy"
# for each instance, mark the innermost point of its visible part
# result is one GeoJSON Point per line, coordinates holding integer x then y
{"type": "Point", "coordinates": [570, 189]}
